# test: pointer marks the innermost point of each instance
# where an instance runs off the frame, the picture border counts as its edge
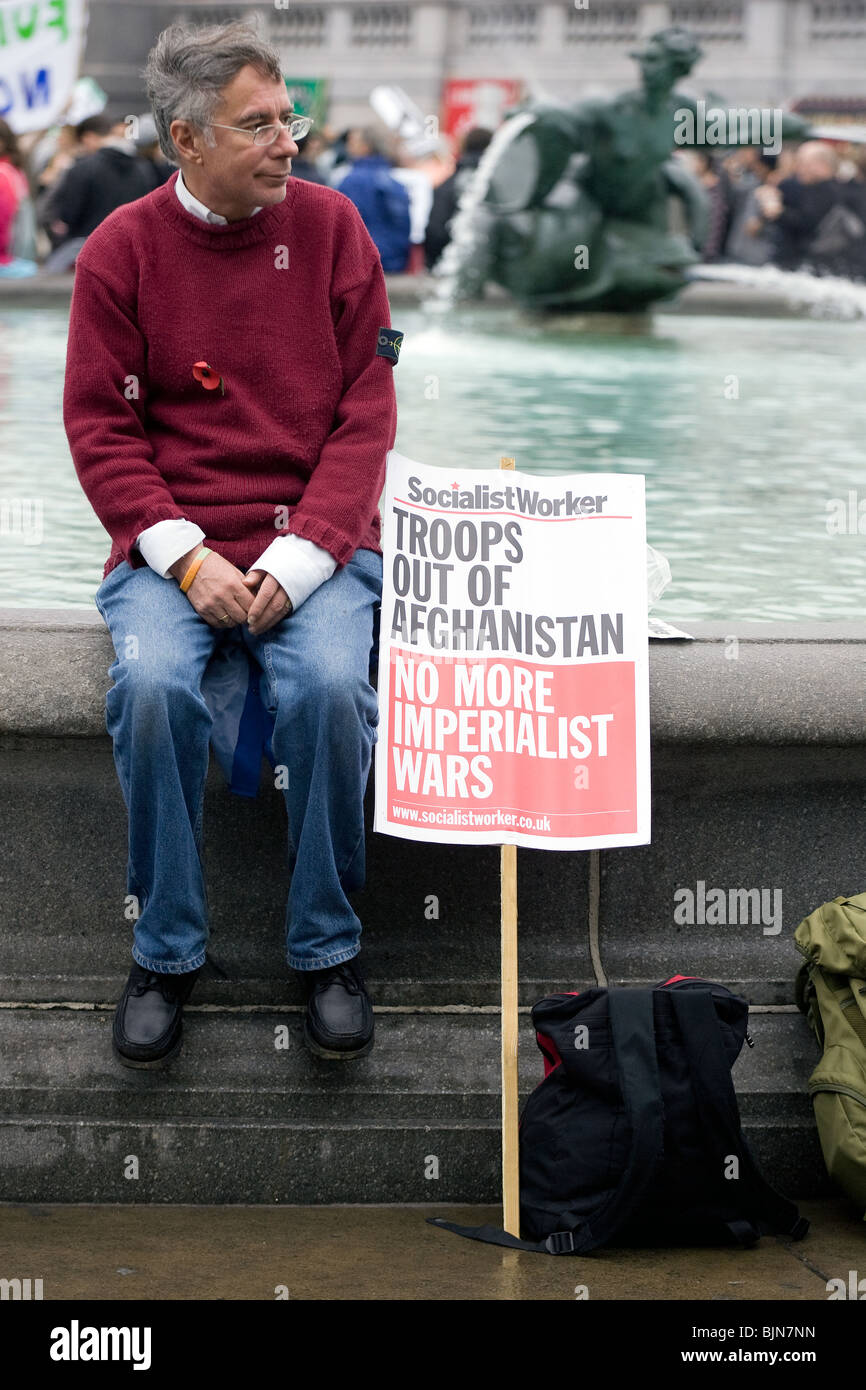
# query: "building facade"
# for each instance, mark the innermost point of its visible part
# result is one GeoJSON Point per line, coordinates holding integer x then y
{"type": "Point", "coordinates": [757, 52]}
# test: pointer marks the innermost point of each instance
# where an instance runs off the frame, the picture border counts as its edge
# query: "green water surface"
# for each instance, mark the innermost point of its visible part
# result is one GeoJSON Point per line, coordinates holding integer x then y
{"type": "Point", "coordinates": [750, 434]}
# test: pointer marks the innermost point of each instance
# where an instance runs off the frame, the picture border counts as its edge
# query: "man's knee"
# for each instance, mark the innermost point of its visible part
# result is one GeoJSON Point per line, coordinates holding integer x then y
{"type": "Point", "coordinates": [155, 685]}
{"type": "Point", "coordinates": [328, 689]}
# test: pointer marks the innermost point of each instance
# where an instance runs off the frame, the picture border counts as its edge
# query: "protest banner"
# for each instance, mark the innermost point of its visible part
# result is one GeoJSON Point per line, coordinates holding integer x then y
{"type": "Point", "coordinates": [41, 44]}
{"type": "Point", "coordinates": [513, 671]}
{"type": "Point", "coordinates": [506, 715]}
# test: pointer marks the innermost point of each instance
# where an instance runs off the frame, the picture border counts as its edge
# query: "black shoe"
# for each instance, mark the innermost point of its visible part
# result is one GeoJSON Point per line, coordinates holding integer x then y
{"type": "Point", "coordinates": [148, 1021]}
{"type": "Point", "coordinates": [339, 1017]}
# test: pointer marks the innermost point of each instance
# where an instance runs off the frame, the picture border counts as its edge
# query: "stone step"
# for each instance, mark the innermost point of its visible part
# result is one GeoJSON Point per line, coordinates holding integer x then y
{"type": "Point", "coordinates": [431, 911]}
{"type": "Point", "coordinates": [759, 770]}
{"type": "Point", "coordinates": [237, 1120]}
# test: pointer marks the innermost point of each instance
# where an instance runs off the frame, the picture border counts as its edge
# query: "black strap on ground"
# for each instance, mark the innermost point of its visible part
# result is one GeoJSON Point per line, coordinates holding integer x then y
{"type": "Point", "coordinates": [491, 1235]}
{"type": "Point", "coordinates": [717, 1106]}
{"type": "Point", "coordinates": [633, 1030]}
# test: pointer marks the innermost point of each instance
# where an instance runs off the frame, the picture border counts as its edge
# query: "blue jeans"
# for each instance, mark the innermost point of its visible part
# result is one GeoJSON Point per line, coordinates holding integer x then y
{"type": "Point", "coordinates": [315, 682]}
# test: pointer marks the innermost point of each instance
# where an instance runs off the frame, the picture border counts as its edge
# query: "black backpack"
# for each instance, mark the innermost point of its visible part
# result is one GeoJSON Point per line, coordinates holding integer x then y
{"type": "Point", "coordinates": [634, 1133]}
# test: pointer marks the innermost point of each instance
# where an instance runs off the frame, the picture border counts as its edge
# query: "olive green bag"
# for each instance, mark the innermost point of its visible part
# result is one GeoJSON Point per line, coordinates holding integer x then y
{"type": "Point", "coordinates": [831, 991]}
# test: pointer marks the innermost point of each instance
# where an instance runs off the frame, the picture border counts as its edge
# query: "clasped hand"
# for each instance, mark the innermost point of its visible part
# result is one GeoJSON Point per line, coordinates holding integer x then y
{"type": "Point", "coordinates": [270, 604]}
{"type": "Point", "coordinates": [219, 591]}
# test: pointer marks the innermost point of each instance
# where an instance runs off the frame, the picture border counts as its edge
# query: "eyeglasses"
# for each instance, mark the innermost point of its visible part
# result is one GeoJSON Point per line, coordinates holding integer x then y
{"type": "Point", "coordinates": [297, 126]}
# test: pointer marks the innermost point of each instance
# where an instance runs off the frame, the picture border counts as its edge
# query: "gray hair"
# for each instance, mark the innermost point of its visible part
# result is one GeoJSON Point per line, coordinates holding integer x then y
{"type": "Point", "coordinates": [188, 67]}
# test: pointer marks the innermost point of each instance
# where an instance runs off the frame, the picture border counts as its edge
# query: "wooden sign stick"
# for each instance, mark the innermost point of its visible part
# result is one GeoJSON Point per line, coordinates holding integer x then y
{"type": "Point", "coordinates": [508, 965]}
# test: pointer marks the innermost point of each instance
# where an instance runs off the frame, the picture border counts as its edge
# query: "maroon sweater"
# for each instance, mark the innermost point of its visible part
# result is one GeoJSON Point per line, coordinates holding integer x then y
{"type": "Point", "coordinates": [308, 413]}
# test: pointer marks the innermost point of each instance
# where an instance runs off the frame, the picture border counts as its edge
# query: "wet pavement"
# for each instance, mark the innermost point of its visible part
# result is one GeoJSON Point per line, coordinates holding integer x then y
{"type": "Point", "coordinates": [373, 1253]}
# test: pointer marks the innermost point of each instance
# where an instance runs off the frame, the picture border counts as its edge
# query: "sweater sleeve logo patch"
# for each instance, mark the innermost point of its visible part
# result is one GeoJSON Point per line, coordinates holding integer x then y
{"type": "Point", "coordinates": [389, 343]}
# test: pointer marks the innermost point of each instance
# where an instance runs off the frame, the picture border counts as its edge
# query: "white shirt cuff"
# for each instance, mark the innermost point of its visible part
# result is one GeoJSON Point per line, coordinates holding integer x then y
{"type": "Point", "coordinates": [298, 565]}
{"type": "Point", "coordinates": [163, 543]}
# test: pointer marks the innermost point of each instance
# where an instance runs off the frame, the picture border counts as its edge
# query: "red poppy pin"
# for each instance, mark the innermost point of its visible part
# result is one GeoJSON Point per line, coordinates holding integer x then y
{"type": "Point", "coordinates": [209, 379]}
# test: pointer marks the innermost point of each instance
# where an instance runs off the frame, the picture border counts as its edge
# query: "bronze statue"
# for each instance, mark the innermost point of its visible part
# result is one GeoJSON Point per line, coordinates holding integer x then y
{"type": "Point", "coordinates": [585, 206]}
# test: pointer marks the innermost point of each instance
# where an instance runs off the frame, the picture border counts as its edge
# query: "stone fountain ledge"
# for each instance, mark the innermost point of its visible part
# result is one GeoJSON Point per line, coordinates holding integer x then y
{"type": "Point", "coordinates": [759, 782]}
{"type": "Point", "coordinates": [705, 297]}
{"type": "Point", "coordinates": [798, 684]}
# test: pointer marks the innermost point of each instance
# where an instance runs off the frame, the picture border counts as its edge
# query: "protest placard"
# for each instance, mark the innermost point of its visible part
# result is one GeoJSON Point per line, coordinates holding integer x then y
{"type": "Point", "coordinates": [41, 45]}
{"type": "Point", "coordinates": [513, 669]}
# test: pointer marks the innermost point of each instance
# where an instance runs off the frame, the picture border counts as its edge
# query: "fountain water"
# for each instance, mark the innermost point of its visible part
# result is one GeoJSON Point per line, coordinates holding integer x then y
{"type": "Point", "coordinates": [460, 268]}
{"type": "Point", "coordinates": [813, 296]}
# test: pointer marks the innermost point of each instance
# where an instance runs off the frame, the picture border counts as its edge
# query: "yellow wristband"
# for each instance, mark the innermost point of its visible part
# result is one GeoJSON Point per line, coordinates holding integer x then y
{"type": "Point", "coordinates": [194, 569]}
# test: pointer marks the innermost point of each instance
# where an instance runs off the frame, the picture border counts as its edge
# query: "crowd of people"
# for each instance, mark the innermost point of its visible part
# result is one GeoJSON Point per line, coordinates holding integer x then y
{"type": "Point", "coordinates": [804, 208]}
{"type": "Point", "coordinates": [55, 188]}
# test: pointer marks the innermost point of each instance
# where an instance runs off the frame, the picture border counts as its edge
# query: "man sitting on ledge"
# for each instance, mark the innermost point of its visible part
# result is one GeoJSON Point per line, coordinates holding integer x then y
{"type": "Point", "coordinates": [223, 378]}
